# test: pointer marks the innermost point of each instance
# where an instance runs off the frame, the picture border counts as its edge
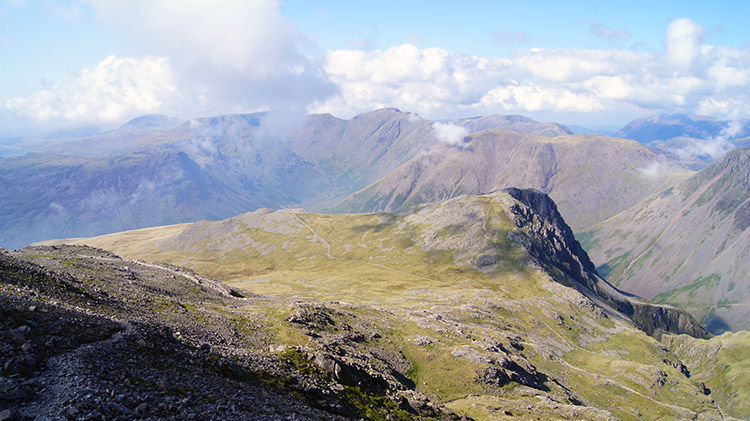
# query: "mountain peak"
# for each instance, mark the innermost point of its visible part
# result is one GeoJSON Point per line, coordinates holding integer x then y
{"type": "Point", "coordinates": [513, 122]}
{"type": "Point", "coordinates": [152, 122]}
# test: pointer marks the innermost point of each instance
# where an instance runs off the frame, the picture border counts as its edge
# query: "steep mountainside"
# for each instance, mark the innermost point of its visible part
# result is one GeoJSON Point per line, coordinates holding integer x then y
{"type": "Point", "coordinates": [590, 177]}
{"type": "Point", "coordinates": [668, 126]}
{"type": "Point", "coordinates": [490, 303]}
{"type": "Point", "coordinates": [354, 153]}
{"type": "Point", "coordinates": [47, 196]}
{"type": "Point", "coordinates": [513, 122]}
{"type": "Point", "coordinates": [688, 245]}
{"type": "Point", "coordinates": [239, 157]}
{"type": "Point", "coordinates": [206, 169]}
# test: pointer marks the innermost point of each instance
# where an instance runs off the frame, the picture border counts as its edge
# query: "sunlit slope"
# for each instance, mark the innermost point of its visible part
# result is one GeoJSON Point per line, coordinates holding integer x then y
{"type": "Point", "coordinates": [687, 246]}
{"type": "Point", "coordinates": [471, 289]}
{"type": "Point", "coordinates": [722, 364]}
{"type": "Point", "coordinates": [591, 177]}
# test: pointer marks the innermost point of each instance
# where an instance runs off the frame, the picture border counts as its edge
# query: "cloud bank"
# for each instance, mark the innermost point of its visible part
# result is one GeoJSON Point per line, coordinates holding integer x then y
{"type": "Point", "coordinates": [688, 76]}
{"type": "Point", "coordinates": [243, 56]}
{"type": "Point", "coordinates": [191, 58]}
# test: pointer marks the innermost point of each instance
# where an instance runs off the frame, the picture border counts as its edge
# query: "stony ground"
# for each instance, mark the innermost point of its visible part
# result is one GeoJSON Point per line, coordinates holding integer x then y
{"type": "Point", "coordinates": [87, 335]}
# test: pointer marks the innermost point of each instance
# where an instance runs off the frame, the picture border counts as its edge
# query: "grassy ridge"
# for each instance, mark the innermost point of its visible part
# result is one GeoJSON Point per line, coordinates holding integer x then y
{"type": "Point", "coordinates": [452, 289]}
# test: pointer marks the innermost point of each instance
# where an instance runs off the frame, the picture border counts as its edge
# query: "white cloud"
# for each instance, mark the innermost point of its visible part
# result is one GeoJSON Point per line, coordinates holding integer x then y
{"type": "Point", "coordinates": [531, 97]}
{"type": "Point", "coordinates": [115, 89]}
{"type": "Point", "coordinates": [727, 107]}
{"type": "Point", "coordinates": [234, 54]}
{"type": "Point", "coordinates": [689, 76]}
{"type": "Point", "coordinates": [449, 133]}
{"type": "Point", "coordinates": [705, 149]}
{"type": "Point", "coordinates": [427, 81]}
{"type": "Point", "coordinates": [189, 58]}
{"type": "Point", "coordinates": [233, 35]}
{"type": "Point", "coordinates": [240, 56]}
{"type": "Point", "coordinates": [682, 41]}
{"type": "Point", "coordinates": [653, 170]}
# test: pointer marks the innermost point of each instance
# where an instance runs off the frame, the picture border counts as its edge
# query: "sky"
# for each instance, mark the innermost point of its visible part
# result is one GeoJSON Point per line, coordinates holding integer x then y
{"type": "Point", "coordinates": [69, 63]}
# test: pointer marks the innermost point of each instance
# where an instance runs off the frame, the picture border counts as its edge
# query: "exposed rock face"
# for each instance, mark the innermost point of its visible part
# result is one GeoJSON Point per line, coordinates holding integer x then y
{"type": "Point", "coordinates": [553, 243]}
{"type": "Point", "coordinates": [657, 320]}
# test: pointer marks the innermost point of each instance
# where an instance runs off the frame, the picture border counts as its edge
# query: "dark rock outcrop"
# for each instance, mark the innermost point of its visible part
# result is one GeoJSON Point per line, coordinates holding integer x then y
{"type": "Point", "coordinates": [551, 241]}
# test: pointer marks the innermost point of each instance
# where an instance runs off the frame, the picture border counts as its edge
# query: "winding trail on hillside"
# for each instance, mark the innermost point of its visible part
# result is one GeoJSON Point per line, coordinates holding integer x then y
{"type": "Point", "coordinates": [327, 245]}
{"type": "Point", "coordinates": [608, 379]}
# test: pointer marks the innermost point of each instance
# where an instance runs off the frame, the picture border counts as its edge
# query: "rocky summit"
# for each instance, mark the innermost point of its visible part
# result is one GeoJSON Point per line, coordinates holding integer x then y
{"type": "Point", "coordinates": [481, 307]}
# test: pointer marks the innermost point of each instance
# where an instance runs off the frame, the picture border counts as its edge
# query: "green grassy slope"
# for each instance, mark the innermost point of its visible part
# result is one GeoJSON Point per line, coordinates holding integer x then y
{"type": "Point", "coordinates": [453, 288]}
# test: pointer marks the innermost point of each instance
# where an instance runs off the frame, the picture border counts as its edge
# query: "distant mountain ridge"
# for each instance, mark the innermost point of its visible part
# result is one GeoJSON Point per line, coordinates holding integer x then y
{"type": "Point", "coordinates": [513, 122]}
{"type": "Point", "coordinates": [688, 245]}
{"type": "Point", "coordinates": [590, 176]}
{"type": "Point", "coordinates": [169, 162]}
{"type": "Point", "coordinates": [668, 126]}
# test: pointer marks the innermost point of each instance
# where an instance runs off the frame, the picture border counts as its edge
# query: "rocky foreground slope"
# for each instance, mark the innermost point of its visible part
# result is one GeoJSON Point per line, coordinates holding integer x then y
{"type": "Point", "coordinates": [482, 307]}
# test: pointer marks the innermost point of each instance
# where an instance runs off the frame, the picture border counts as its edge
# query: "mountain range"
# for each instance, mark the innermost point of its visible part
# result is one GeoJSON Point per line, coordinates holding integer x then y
{"type": "Point", "coordinates": [669, 126]}
{"type": "Point", "coordinates": [591, 177]}
{"type": "Point", "coordinates": [691, 141]}
{"type": "Point", "coordinates": [157, 170]}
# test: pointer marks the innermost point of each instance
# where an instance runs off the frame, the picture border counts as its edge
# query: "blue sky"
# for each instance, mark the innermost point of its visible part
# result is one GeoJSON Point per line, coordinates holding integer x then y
{"type": "Point", "coordinates": [599, 64]}
{"type": "Point", "coordinates": [468, 26]}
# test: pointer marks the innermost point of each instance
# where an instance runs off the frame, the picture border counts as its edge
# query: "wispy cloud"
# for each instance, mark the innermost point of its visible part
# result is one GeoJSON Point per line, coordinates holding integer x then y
{"type": "Point", "coordinates": [603, 31]}
{"type": "Point", "coordinates": [653, 170]}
